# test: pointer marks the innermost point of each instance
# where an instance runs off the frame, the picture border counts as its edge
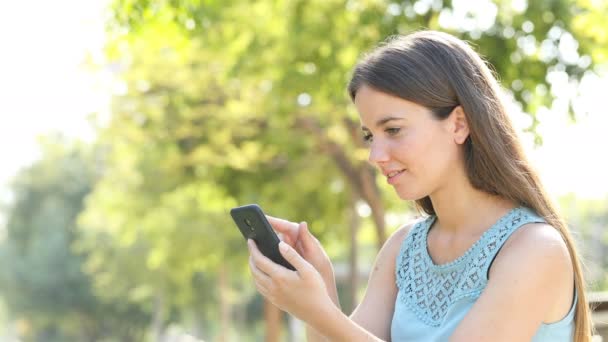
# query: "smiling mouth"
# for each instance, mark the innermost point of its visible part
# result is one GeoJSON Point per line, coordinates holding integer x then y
{"type": "Point", "coordinates": [395, 173]}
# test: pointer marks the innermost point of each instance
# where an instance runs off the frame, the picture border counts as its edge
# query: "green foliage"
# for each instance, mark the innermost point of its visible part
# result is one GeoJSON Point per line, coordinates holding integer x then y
{"type": "Point", "coordinates": [41, 277]}
{"type": "Point", "coordinates": [227, 103]}
{"type": "Point", "coordinates": [234, 102]}
{"type": "Point", "coordinates": [587, 219]}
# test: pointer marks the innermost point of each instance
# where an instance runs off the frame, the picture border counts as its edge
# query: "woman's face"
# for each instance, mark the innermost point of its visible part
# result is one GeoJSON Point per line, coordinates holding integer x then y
{"type": "Point", "coordinates": [414, 151]}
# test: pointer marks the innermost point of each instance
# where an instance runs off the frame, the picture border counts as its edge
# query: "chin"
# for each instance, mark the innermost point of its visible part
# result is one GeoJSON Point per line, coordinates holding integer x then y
{"type": "Point", "coordinates": [409, 195]}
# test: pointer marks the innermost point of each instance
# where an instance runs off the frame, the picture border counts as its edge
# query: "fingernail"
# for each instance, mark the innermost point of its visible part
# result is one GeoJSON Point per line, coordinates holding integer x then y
{"type": "Point", "coordinates": [283, 246]}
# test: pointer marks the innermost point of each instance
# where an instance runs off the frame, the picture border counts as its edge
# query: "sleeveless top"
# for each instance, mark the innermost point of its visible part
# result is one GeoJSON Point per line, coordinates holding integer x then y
{"type": "Point", "coordinates": [433, 299]}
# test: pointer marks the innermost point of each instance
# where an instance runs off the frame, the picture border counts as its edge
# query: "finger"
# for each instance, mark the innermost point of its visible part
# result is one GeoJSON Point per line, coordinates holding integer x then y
{"type": "Point", "coordinates": [282, 225]}
{"type": "Point", "coordinates": [287, 239]}
{"type": "Point", "coordinates": [259, 276]}
{"type": "Point", "coordinates": [308, 240]}
{"type": "Point", "coordinates": [262, 281]}
{"type": "Point", "coordinates": [299, 247]}
{"type": "Point", "coordinates": [262, 290]}
{"type": "Point", "coordinates": [263, 263]}
{"type": "Point", "coordinates": [294, 258]}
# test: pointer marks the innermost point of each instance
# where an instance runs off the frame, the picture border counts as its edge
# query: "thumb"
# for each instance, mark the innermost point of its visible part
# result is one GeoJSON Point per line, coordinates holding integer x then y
{"type": "Point", "coordinates": [293, 257]}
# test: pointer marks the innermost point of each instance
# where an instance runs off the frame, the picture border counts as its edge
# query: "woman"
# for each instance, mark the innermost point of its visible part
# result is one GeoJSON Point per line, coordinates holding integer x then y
{"type": "Point", "coordinates": [493, 261]}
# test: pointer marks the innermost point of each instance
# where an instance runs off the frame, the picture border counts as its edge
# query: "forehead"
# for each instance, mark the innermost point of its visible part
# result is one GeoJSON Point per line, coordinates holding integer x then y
{"type": "Point", "coordinates": [374, 105]}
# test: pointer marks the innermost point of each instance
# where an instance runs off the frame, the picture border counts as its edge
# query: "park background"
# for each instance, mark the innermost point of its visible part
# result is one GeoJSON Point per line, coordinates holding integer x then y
{"type": "Point", "coordinates": [129, 128]}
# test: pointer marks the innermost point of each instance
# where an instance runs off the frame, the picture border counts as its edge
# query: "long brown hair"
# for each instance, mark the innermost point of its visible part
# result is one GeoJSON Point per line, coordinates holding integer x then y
{"type": "Point", "coordinates": [439, 71]}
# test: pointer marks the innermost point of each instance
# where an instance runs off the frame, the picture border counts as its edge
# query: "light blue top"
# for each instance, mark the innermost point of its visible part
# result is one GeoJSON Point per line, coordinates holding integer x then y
{"type": "Point", "coordinates": [433, 299]}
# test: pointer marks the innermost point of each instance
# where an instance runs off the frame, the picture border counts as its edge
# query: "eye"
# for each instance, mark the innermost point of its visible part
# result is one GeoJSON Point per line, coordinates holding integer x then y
{"type": "Point", "coordinates": [392, 130]}
{"type": "Point", "coordinates": [367, 137]}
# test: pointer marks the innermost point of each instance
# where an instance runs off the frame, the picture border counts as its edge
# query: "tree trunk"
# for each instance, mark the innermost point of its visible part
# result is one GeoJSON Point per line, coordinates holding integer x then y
{"type": "Point", "coordinates": [224, 306]}
{"type": "Point", "coordinates": [158, 317]}
{"type": "Point", "coordinates": [360, 175]}
{"type": "Point", "coordinates": [371, 195]}
{"type": "Point", "coordinates": [353, 264]}
{"type": "Point", "coordinates": [272, 315]}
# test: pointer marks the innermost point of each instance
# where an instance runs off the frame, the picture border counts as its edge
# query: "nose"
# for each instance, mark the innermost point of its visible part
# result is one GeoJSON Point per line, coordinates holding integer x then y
{"type": "Point", "coordinates": [378, 152]}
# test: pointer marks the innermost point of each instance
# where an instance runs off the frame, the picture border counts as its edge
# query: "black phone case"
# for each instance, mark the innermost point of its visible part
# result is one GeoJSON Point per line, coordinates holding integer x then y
{"type": "Point", "coordinates": [253, 225]}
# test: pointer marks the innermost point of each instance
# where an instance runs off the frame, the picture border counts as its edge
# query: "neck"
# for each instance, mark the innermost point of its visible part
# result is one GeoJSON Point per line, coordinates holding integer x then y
{"type": "Point", "coordinates": [460, 208]}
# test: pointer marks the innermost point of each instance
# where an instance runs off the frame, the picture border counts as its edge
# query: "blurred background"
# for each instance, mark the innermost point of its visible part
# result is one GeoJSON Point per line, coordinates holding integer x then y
{"type": "Point", "coordinates": [129, 128]}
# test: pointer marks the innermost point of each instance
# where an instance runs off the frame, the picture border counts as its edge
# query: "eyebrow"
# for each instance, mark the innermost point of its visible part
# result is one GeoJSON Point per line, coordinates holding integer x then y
{"type": "Point", "coordinates": [383, 121]}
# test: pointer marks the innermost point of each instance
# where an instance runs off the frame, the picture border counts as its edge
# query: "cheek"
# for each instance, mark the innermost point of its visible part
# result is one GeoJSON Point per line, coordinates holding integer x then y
{"type": "Point", "coordinates": [439, 159]}
{"type": "Point", "coordinates": [413, 149]}
{"type": "Point", "coordinates": [428, 153]}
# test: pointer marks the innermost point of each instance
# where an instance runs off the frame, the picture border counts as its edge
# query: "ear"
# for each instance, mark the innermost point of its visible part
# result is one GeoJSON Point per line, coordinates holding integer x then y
{"type": "Point", "coordinates": [459, 125]}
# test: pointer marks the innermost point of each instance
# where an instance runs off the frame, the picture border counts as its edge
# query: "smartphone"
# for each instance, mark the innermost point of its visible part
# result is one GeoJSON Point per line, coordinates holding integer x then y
{"type": "Point", "coordinates": [252, 223]}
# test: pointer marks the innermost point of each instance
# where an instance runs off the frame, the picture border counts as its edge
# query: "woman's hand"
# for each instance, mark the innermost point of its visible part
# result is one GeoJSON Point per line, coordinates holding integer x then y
{"type": "Point", "coordinates": [299, 238]}
{"type": "Point", "coordinates": [302, 293]}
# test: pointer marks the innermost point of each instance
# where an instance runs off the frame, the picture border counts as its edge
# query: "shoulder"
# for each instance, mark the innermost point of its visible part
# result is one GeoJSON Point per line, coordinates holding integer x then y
{"type": "Point", "coordinates": [538, 254]}
{"type": "Point", "coordinates": [398, 237]}
{"type": "Point", "coordinates": [537, 243]}
{"type": "Point", "coordinates": [531, 281]}
{"type": "Point", "coordinates": [375, 311]}
{"type": "Point", "coordinates": [389, 251]}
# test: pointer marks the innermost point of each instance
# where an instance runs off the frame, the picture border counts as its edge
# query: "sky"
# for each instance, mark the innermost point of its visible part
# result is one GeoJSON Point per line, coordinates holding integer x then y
{"type": "Point", "coordinates": [44, 86]}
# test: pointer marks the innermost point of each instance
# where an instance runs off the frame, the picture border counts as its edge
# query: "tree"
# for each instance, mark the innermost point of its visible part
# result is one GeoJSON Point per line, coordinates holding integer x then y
{"type": "Point", "coordinates": [41, 276]}
{"type": "Point", "coordinates": [247, 101]}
